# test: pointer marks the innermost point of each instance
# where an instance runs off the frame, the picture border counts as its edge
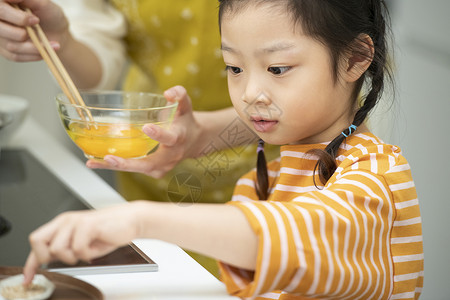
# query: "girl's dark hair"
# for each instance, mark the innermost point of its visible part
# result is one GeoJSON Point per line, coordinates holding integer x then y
{"type": "Point", "coordinates": [339, 25]}
{"type": "Point", "coordinates": [262, 178]}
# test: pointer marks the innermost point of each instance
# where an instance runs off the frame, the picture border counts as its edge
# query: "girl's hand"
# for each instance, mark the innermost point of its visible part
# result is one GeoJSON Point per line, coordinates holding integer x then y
{"type": "Point", "coordinates": [15, 44]}
{"type": "Point", "coordinates": [176, 144]}
{"type": "Point", "coordinates": [216, 230]}
{"type": "Point", "coordinates": [83, 235]}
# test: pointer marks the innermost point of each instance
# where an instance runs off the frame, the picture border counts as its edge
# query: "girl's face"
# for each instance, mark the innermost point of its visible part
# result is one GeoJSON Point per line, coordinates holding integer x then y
{"type": "Point", "coordinates": [280, 80]}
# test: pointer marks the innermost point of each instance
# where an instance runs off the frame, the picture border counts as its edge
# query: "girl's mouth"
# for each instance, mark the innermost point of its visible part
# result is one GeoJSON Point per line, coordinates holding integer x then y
{"type": "Point", "coordinates": [262, 125]}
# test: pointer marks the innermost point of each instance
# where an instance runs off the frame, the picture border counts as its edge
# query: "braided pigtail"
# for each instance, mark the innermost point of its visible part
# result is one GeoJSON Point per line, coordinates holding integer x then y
{"type": "Point", "coordinates": [262, 176]}
{"type": "Point", "coordinates": [377, 72]}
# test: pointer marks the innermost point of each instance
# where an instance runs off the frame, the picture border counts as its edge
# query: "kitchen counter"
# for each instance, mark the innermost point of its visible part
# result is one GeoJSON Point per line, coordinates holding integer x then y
{"type": "Point", "coordinates": [178, 276]}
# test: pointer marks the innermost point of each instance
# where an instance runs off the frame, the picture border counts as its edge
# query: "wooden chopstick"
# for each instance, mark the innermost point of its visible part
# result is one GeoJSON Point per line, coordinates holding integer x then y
{"type": "Point", "coordinates": [57, 68]}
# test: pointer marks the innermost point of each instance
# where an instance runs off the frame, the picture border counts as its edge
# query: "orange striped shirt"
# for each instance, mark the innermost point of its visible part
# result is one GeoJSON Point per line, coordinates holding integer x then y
{"type": "Point", "coordinates": [357, 237]}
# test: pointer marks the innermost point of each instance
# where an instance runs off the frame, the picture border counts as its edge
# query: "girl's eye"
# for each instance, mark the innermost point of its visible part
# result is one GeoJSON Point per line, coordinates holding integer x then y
{"type": "Point", "coordinates": [234, 70]}
{"type": "Point", "coordinates": [278, 70]}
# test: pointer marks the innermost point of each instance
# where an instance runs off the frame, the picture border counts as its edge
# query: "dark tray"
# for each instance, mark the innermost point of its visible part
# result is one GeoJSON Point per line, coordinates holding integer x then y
{"type": "Point", "coordinates": [66, 287]}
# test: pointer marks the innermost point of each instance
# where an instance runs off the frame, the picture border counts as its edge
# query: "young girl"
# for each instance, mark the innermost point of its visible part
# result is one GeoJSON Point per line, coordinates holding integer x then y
{"type": "Point", "coordinates": [337, 215]}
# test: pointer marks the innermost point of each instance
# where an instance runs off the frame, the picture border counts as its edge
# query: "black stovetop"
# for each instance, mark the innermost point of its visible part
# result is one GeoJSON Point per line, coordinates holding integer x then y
{"type": "Point", "coordinates": [30, 195]}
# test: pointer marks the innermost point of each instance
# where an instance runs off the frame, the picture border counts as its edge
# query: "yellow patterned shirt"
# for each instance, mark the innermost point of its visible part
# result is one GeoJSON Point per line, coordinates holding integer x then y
{"type": "Point", "coordinates": [176, 42]}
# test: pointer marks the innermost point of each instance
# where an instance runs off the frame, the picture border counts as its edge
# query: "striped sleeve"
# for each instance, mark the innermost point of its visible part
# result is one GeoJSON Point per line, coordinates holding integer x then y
{"type": "Point", "coordinates": [406, 237]}
{"type": "Point", "coordinates": [328, 243]}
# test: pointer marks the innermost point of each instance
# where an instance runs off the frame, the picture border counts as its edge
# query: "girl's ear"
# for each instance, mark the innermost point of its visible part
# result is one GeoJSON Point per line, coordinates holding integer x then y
{"type": "Point", "coordinates": [359, 58]}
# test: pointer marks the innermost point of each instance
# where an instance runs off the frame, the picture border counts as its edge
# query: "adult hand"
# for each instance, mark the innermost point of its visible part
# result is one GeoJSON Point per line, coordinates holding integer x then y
{"type": "Point", "coordinates": [179, 142]}
{"type": "Point", "coordinates": [82, 235]}
{"type": "Point", "coordinates": [15, 44]}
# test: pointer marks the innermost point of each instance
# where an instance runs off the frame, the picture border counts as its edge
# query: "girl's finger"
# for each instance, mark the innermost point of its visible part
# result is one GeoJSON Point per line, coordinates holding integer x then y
{"type": "Point", "coordinates": [150, 165]}
{"type": "Point", "coordinates": [40, 250]}
{"type": "Point", "coordinates": [88, 249]}
{"type": "Point", "coordinates": [129, 165]}
{"type": "Point", "coordinates": [179, 93]}
{"type": "Point", "coordinates": [112, 162]}
{"type": "Point", "coordinates": [166, 137]}
{"type": "Point", "coordinates": [99, 164]}
{"type": "Point", "coordinates": [84, 236]}
{"type": "Point", "coordinates": [98, 249]}
{"type": "Point", "coordinates": [41, 238]}
{"type": "Point", "coordinates": [29, 270]}
{"type": "Point", "coordinates": [60, 246]}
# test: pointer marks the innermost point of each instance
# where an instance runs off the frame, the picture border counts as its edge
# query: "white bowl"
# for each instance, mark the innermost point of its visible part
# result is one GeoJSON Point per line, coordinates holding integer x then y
{"type": "Point", "coordinates": [16, 281]}
{"type": "Point", "coordinates": [13, 110]}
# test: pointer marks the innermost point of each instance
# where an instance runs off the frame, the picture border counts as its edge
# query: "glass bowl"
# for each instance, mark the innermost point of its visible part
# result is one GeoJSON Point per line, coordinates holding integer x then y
{"type": "Point", "coordinates": [112, 121]}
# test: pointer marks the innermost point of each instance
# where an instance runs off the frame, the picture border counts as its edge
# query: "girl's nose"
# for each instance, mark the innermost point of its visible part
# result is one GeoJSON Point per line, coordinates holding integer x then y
{"type": "Point", "coordinates": [262, 98]}
{"type": "Point", "coordinates": [254, 93]}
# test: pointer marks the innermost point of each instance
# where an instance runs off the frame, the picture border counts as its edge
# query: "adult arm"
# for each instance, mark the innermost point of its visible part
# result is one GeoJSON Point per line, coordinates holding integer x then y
{"type": "Point", "coordinates": [90, 46]}
{"type": "Point", "coordinates": [98, 26]}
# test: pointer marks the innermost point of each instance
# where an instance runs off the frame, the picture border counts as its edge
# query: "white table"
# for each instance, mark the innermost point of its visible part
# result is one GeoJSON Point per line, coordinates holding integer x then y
{"type": "Point", "coordinates": [179, 276]}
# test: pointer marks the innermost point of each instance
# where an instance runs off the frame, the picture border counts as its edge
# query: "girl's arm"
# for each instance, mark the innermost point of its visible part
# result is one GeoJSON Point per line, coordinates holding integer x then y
{"type": "Point", "coordinates": [216, 230]}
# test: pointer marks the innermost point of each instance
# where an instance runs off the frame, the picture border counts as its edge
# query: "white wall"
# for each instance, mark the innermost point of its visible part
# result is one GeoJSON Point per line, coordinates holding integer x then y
{"type": "Point", "coordinates": [33, 82]}
{"type": "Point", "coordinates": [420, 125]}
{"type": "Point", "coordinates": [3, 79]}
